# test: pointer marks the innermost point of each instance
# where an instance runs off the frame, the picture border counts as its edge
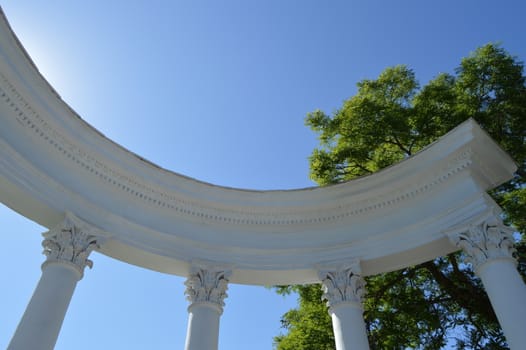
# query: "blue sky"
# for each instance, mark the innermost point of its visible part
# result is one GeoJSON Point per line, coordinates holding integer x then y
{"type": "Point", "coordinates": [216, 90]}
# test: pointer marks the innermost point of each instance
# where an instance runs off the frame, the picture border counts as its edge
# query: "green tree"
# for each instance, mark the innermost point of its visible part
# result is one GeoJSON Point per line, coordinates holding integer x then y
{"type": "Point", "coordinates": [389, 119]}
{"type": "Point", "coordinates": [309, 326]}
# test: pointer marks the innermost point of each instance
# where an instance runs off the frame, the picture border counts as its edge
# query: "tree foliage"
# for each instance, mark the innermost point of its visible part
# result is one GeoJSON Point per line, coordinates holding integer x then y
{"type": "Point", "coordinates": [389, 119]}
{"type": "Point", "coordinates": [309, 326]}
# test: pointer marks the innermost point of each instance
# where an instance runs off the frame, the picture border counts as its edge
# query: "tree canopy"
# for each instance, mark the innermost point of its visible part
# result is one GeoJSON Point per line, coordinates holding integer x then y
{"type": "Point", "coordinates": [390, 118]}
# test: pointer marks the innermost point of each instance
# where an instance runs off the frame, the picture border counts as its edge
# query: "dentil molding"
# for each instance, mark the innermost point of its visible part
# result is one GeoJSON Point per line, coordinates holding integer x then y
{"type": "Point", "coordinates": [162, 198]}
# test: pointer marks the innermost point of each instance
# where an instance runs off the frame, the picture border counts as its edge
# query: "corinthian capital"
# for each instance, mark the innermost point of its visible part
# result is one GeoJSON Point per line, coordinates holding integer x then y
{"type": "Point", "coordinates": [70, 242]}
{"type": "Point", "coordinates": [207, 284]}
{"type": "Point", "coordinates": [488, 240]}
{"type": "Point", "coordinates": [343, 284]}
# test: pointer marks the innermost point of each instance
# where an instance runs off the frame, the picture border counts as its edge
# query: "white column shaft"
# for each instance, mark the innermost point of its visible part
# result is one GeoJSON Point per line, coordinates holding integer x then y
{"type": "Point", "coordinates": [206, 291]}
{"type": "Point", "coordinates": [489, 248]}
{"type": "Point", "coordinates": [203, 327]}
{"type": "Point", "coordinates": [42, 320]}
{"type": "Point", "coordinates": [507, 293]}
{"type": "Point", "coordinates": [343, 288]}
{"type": "Point", "coordinates": [349, 327]}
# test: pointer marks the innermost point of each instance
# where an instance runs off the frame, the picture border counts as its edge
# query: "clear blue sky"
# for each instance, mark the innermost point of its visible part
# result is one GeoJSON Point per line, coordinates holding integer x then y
{"type": "Point", "coordinates": [216, 90]}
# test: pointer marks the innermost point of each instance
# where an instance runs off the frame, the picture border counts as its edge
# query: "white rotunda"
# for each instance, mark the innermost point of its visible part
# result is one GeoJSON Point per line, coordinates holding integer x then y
{"type": "Point", "coordinates": [93, 194]}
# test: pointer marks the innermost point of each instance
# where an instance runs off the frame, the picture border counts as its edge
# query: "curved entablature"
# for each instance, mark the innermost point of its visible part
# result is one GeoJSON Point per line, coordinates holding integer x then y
{"type": "Point", "coordinates": [53, 162]}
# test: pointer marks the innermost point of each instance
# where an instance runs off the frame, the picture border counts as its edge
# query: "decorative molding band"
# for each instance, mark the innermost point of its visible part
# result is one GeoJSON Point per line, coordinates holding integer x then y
{"type": "Point", "coordinates": [485, 241]}
{"type": "Point", "coordinates": [161, 198]}
{"type": "Point", "coordinates": [71, 242]}
{"type": "Point", "coordinates": [207, 285]}
{"type": "Point", "coordinates": [343, 284]}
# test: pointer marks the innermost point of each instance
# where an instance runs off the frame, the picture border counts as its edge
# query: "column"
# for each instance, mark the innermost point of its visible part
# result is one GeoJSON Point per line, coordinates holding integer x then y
{"type": "Point", "coordinates": [206, 291]}
{"type": "Point", "coordinates": [489, 248]}
{"type": "Point", "coordinates": [343, 289]}
{"type": "Point", "coordinates": [67, 248]}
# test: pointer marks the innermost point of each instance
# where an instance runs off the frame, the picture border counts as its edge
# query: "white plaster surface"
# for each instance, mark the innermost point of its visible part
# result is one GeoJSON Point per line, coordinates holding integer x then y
{"type": "Point", "coordinates": [349, 327]}
{"type": "Point", "coordinates": [42, 320]}
{"type": "Point", "coordinates": [507, 293]}
{"type": "Point", "coordinates": [203, 327]}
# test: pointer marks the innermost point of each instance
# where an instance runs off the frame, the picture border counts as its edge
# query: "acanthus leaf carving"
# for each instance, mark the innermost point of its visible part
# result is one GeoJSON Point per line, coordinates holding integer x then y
{"type": "Point", "coordinates": [70, 243]}
{"type": "Point", "coordinates": [342, 284]}
{"type": "Point", "coordinates": [207, 285]}
{"type": "Point", "coordinates": [485, 241]}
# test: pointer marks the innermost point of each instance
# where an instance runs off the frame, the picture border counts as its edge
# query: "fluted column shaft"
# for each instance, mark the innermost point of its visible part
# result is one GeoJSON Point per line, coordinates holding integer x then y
{"type": "Point", "coordinates": [205, 290]}
{"type": "Point", "coordinates": [489, 248]}
{"type": "Point", "coordinates": [67, 248]}
{"type": "Point", "coordinates": [343, 289]}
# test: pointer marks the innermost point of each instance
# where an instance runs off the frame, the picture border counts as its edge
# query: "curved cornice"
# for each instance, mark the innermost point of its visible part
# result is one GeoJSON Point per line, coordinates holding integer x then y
{"type": "Point", "coordinates": [52, 162]}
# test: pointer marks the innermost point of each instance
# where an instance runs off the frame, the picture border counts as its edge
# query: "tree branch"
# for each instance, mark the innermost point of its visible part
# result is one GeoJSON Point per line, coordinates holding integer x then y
{"type": "Point", "coordinates": [465, 293]}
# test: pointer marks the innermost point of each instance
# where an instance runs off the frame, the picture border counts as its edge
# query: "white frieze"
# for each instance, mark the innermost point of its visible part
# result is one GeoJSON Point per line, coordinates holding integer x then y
{"type": "Point", "coordinates": [343, 284]}
{"type": "Point", "coordinates": [149, 193]}
{"type": "Point", "coordinates": [71, 244]}
{"type": "Point", "coordinates": [207, 285]}
{"type": "Point", "coordinates": [488, 240]}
